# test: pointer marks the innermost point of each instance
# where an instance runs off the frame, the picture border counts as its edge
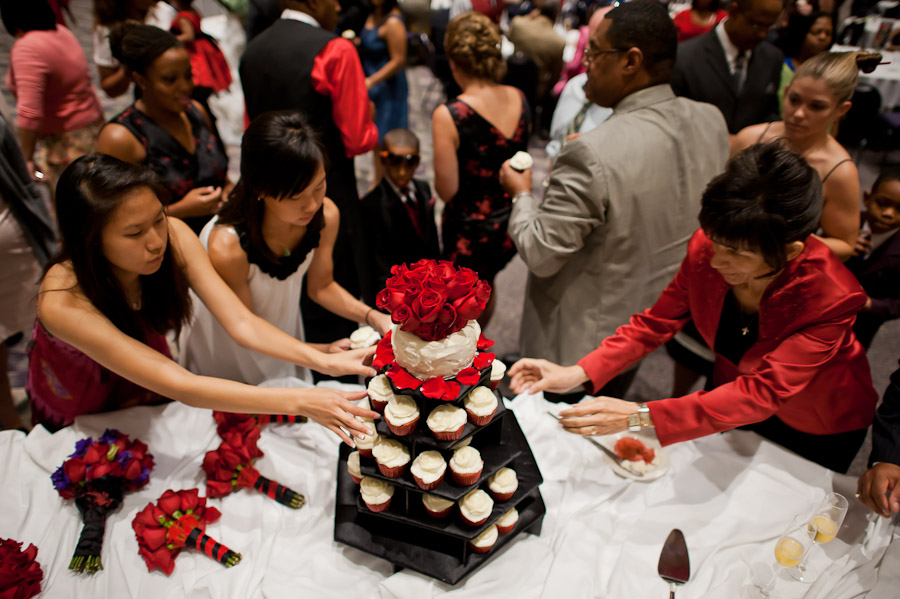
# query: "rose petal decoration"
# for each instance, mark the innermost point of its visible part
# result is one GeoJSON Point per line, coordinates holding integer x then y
{"type": "Point", "coordinates": [484, 343]}
{"type": "Point", "coordinates": [384, 353]}
{"type": "Point", "coordinates": [438, 388]}
{"type": "Point", "coordinates": [483, 360]}
{"type": "Point", "coordinates": [401, 378]}
{"type": "Point", "coordinates": [468, 376]}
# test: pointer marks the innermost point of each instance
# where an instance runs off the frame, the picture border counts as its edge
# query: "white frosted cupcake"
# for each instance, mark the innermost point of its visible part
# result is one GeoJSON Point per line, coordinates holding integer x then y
{"type": "Point", "coordinates": [353, 467]}
{"type": "Point", "coordinates": [466, 465]}
{"type": "Point", "coordinates": [503, 484]}
{"type": "Point", "coordinates": [507, 521]}
{"type": "Point", "coordinates": [380, 392]}
{"type": "Point", "coordinates": [391, 456]}
{"type": "Point", "coordinates": [446, 422]}
{"type": "Point", "coordinates": [480, 404]}
{"type": "Point", "coordinates": [367, 442]}
{"type": "Point", "coordinates": [464, 443]}
{"type": "Point", "coordinates": [436, 507]}
{"type": "Point", "coordinates": [364, 337]}
{"type": "Point", "coordinates": [485, 541]}
{"type": "Point", "coordinates": [475, 507]}
{"type": "Point", "coordinates": [521, 161]}
{"type": "Point", "coordinates": [498, 371]}
{"type": "Point", "coordinates": [428, 470]}
{"type": "Point", "coordinates": [376, 494]}
{"type": "Point", "coordinates": [401, 415]}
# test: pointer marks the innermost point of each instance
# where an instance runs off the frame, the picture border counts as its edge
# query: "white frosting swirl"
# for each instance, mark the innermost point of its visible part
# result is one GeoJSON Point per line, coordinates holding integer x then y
{"type": "Point", "coordinates": [367, 441]}
{"type": "Point", "coordinates": [466, 460]}
{"type": "Point", "coordinates": [446, 418]}
{"type": "Point", "coordinates": [521, 161]}
{"type": "Point", "coordinates": [487, 538]}
{"type": "Point", "coordinates": [429, 359]}
{"type": "Point", "coordinates": [435, 503]}
{"type": "Point", "coordinates": [364, 337]}
{"type": "Point", "coordinates": [379, 389]}
{"type": "Point", "coordinates": [464, 443]}
{"type": "Point", "coordinates": [390, 453]}
{"type": "Point", "coordinates": [476, 505]}
{"type": "Point", "coordinates": [503, 481]}
{"type": "Point", "coordinates": [375, 491]}
{"type": "Point", "coordinates": [353, 464]}
{"type": "Point", "coordinates": [481, 401]}
{"type": "Point", "coordinates": [509, 518]}
{"type": "Point", "coordinates": [401, 410]}
{"type": "Point", "coordinates": [498, 369]}
{"type": "Point", "coordinates": [429, 466]}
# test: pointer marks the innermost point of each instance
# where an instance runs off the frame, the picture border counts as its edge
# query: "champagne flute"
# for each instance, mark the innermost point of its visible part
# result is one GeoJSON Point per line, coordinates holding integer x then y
{"type": "Point", "coordinates": [827, 520]}
{"type": "Point", "coordinates": [790, 550]}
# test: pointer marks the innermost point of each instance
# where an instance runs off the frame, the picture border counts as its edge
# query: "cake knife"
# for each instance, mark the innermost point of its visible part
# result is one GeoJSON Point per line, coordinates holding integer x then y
{"type": "Point", "coordinates": [607, 451]}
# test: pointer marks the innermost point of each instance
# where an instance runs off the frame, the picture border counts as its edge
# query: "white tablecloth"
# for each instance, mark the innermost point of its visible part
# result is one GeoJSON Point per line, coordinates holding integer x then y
{"type": "Point", "coordinates": [730, 494]}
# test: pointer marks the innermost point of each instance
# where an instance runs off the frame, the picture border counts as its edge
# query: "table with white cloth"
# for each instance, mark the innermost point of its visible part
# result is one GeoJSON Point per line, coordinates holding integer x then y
{"type": "Point", "coordinates": [885, 78]}
{"type": "Point", "coordinates": [730, 494]}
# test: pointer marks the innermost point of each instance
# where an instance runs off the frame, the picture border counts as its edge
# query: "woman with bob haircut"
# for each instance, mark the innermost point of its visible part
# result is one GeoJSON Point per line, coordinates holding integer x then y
{"type": "Point", "coordinates": [775, 305]}
{"type": "Point", "coordinates": [276, 229]}
{"type": "Point", "coordinates": [119, 283]}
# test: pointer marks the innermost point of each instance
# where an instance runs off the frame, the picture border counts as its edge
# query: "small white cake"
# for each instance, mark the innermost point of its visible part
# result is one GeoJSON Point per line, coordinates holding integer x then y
{"type": "Point", "coordinates": [443, 358]}
{"type": "Point", "coordinates": [364, 337]}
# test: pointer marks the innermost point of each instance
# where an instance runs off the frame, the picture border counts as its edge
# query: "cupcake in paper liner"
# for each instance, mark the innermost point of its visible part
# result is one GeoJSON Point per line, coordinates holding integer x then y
{"type": "Point", "coordinates": [380, 392]}
{"type": "Point", "coordinates": [521, 161]}
{"type": "Point", "coordinates": [391, 456]}
{"type": "Point", "coordinates": [466, 465]}
{"type": "Point", "coordinates": [428, 470]}
{"type": "Point", "coordinates": [508, 521]}
{"type": "Point", "coordinates": [436, 507]}
{"type": "Point", "coordinates": [376, 494]}
{"type": "Point", "coordinates": [485, 541]}
{"type": "Point", "coordinates": [498, 371]}
{"type": "Point", "coordinates": [353, 467]}
{"type": "Point", "coordinates": [446, 422]}
{"type": "Point", "coordinates": [364, 337]}
{"type": "Point", "coordinates": [480, 404]}
{"type": "Point", "coordinates": [475, 507]}
{"type": "Point", "coordinates": [503, 484]}
{"type": "Point", "coordinates": [401, 415]}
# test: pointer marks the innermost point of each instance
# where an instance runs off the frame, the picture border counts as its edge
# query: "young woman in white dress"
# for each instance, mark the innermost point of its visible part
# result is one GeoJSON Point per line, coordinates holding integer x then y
{"type": "Point", "coordinates": [276, 230]}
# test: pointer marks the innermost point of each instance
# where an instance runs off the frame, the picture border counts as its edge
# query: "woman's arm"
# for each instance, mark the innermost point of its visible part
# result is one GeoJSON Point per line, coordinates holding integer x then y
{"type": "Point", "coordinates": [445, 140]}
{"type": "Point", "coordinates": [230, 261]}
{"type": "Point", "coordinates": [325, 291]}
{"type": "Point", "coordinates": [247, 329]}
{"type": "Point", "coordinates": [118, 142]}
{"type": "Point", "coordinates": [70, 317]}
{"type": "Point", "coordinates": [113, 80]}
{"type": "Point", "coordinates": [840, 214]}
{"type": "Point", "coordinates": [394, 33]}
{"type": "Point", "coordinates": [187, 30]}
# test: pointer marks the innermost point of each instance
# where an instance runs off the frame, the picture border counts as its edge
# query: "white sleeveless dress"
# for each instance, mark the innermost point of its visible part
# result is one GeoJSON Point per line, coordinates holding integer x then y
{"type": "Point", "coordinates": [207, 349]}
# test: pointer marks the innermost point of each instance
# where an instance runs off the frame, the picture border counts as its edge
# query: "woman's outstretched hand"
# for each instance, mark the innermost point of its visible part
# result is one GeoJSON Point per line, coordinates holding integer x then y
{"type": "Point", "coordinates": [336, 411]}
{"type": "Point", "coordinates": [597, 416]}
{"type": "Point", "coordinates": [530, 375]}
{"type": "Point", "coordinates": [352, 361]}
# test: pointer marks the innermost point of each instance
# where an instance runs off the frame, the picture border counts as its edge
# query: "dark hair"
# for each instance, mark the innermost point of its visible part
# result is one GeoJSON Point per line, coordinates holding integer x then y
{"type": "Point", "coordinates": [27, 15]}
{"type": "Point", "coordinates": [280, 155]}
{"type": "Point", "coordinates": [797, 29]}
{"type": "Point", "coordinates": [767, 198]}
{"type": "Point", "coordinates": [401, 137]}
{"type": "Point", "coordinates": [713, 5]}
{"type": "Point", "coordinates": [136, 46]}
{"type": "Point", "coordinates": [548, 8]}
{"type": "Point", "coordinates": [472, 42]}
{"type": "Point", "coordinates": [891, 173]}
{"type": "Point", "coordinates": [646, 26]}
{"type": "Point", "coordinates": [110, 12]}
{"type": "Point", "coordinates": [89, 192]}
{"type": "Point", "coordinates": [386, 8]}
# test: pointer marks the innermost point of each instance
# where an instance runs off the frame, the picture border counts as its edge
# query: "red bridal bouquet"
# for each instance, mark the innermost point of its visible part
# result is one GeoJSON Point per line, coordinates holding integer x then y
{"type": "Point", "coordinates": [230, 467]}
{"type": "Point", "coordinates": [433, 298]}
{"type": "Point", "coordinates": [96, 476]}
{"type": "Point", "coordinates": [20, 574]}
{"type": "Point", "coordinates": [228, 420]}
{"type": "Point", "coordinates": [177, 520]}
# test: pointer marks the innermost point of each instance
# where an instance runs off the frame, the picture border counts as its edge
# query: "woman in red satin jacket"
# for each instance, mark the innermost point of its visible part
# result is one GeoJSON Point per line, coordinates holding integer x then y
{"type": "Point", "coordinates": [773, 302]}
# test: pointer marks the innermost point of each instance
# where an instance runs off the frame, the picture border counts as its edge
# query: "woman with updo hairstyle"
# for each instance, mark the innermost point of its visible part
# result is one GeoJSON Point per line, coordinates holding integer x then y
{"type": "Point", "coordinates": [473, 136]}
{"type": "Point", "coordinates": [818, 96]}
{"type": "Point", "coordinates": [773, 302]}
{"type": "Point", "coordinates": [165, 129]}
{"type": "Point", "coordinates": [275, 233]}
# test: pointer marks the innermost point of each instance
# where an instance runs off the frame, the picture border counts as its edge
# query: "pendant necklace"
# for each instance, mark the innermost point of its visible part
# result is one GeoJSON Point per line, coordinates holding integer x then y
{"type": "Point", "coordinates": [746, 324]}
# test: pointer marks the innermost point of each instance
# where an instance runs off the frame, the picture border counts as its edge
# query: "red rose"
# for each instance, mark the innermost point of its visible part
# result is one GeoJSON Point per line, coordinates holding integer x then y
{"type": "Point", "coordinates": [427, 306]}
{"type": "Point", "coordinates": [20, 573]}
{"type": "Point", "coordinates": [138, 450]}
{"type": "Point", "coordinates": [154, 538]}
{"type": "Point", "coordinates": [461, 284]}
{"type": "Point", "coordinates": [95, 453]}
{"type": "Point", "coordinates": [468, 376]}
{"type": "Point", "coordinates": [399, 270]}
{"type": "Point", "coordinates": [162, 558]}
{"type": "Point", "coordinates": [74, 469]}
{"type": "Point", "coordinates": [169, 502]}
{"type": "Point", "coordinates": [383, 300]}
{"type": "Point", "coordinates": [189, 499]}
{"type": "Point", "coordinates": [483, 291]}
{"type": "Point", "coordinates": [469, 307]}
{"type": "Point", "coordinates": [101, 469]}
{"type": "Point", "coordinates": [217, 488]}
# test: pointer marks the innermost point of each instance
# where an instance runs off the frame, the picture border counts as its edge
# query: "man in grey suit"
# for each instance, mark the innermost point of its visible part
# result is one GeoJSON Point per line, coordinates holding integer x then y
{"type": "Point", "coordinates": [733, 67]}
{"type": "Point", "coordinates": [623, 199]}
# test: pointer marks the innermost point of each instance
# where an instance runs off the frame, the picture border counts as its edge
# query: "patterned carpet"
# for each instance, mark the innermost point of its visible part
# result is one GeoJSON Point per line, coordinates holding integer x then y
{"type": "Point", "coordinates": [655, 375]}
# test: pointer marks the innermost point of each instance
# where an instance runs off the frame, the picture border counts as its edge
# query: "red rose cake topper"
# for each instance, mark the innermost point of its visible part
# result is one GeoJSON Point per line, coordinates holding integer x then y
{"type": "Point", "coordinates": [96, 476]}
{"type": "Point", "coordinates": [433, 298]}
{"type": "Point", "coordinates": [177, 520]}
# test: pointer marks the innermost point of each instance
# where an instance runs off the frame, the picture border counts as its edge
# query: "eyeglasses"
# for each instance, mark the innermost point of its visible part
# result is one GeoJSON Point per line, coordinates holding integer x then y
{"type": "Point", "coordinates": [391, 159]}
{"type": "Point", "coordinates": [590, 54]}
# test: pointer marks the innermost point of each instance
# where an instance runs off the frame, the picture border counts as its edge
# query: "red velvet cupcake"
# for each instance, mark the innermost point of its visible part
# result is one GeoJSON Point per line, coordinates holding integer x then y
{"type": "Point", "coordinates": [480, 404]}
{"type": "Point", "coordinates": [436, 507]}
{"type": "Point", "coordinates": [466, 465]}
{"type": "Point", "coordinates": [446, 422]}
{"type": "Point", "coordinates": [503, 484]}
{"type": "Point", "coordinates": [391, 456]}
{"type": "Point", "coordinates": [401, 415]}
{"type": "Point", "coordinates": [428, 470]}
{"type": "Point", "coordinates": [485, 541]}
{"type": "Point", "coordinates": [475, 507]}
{"type": "Point", "coordinates": [376, 494]}
{"type": "Point", "coordinates": [380, 392]}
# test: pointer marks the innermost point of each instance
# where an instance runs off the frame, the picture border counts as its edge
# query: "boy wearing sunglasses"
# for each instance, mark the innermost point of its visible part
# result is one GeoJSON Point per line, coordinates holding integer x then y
{"type": "Point", "coordinates": [398, 214]}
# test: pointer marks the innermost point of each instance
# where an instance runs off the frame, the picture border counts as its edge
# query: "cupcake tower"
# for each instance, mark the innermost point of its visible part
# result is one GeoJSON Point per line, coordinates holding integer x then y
{"type": "Point", "coordinates": [448, 473]}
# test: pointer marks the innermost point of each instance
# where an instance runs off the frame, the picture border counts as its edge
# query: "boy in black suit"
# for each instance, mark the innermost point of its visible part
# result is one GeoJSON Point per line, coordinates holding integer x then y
{"type": "Point", "coordinates": [398, 215]}
{"type": "Point", "coordinates": [877, 260]}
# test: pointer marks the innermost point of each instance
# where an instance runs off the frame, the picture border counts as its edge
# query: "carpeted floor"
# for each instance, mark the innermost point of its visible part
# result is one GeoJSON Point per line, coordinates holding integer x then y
{"type": "Point", "coordinates": [655, 375]}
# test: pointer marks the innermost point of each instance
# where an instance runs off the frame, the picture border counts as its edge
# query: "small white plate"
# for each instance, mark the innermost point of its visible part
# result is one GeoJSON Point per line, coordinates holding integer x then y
{"type": "Point", "coordinates": [650, 441]}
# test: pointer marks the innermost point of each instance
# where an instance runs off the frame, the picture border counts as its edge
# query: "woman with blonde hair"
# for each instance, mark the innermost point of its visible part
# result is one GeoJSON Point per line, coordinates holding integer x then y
{"type": "Point", "coordinates": [817, 97]}
{"type": "Point", "coordinates": [473, 136]}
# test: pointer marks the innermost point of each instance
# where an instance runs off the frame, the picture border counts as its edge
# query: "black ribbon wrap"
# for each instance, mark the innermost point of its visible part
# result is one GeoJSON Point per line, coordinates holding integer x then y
{"type": "Point", "coordinates": [95, 500]}
{"type": "Point", "coordinates": [279, 493]}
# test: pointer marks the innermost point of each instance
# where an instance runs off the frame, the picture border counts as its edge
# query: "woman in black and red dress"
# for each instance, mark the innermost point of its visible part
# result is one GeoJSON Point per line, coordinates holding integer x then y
{"type": "Point", "coordinates": [473, 135]}
{"type": "Point", "coordinates": [164, 129]}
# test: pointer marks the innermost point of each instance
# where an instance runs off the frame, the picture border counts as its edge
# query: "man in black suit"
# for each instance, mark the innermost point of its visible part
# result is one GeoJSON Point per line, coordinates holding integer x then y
{"type": "Point", "coordinates": [879, 487]}
{"type": "Point", "coordinates": [733, 67]}
{"type": "Point", "coordinates": [298, 63]}
{"type": "Point", "coordinates": [398, 214]}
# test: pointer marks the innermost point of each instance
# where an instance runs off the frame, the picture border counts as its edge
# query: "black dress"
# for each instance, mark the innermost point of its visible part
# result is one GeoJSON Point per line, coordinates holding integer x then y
{"type": "Point", "coordinates": [178, 170]}
{"type": "Point", "coordinates": [476, 218]}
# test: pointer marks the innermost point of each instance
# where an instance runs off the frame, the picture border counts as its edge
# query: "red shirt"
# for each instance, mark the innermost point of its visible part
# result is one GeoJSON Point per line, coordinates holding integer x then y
{"type": "Point", "coordinates": [806, 367]}
{"type": "Point", "coordinates": [687, 28]}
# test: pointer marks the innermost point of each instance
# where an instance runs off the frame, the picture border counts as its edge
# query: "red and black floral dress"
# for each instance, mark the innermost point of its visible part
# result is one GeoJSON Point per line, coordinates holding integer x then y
{"type": "Point", "coordinates": [476, 218]}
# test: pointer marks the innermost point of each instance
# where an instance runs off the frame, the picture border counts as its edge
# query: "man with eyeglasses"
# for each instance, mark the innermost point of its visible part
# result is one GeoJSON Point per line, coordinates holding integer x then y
{"type": "Point", "coordinates": [733, 67]}
{"type": "Point", "coordinates": [622, 200]}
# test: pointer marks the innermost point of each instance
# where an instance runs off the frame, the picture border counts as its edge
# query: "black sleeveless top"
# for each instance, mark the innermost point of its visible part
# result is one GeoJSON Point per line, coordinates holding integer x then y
{"type": "Point", "coordinates": [281, 267]}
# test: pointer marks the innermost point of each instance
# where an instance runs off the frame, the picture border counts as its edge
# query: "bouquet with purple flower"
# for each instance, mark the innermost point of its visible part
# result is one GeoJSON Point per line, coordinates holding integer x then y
{"type": "Point", "coordinates": [97, 475]}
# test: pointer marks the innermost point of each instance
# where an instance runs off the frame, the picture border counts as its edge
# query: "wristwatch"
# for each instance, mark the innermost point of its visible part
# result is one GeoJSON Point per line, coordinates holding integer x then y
{"type": "Point", "coordinates": [640, 419]}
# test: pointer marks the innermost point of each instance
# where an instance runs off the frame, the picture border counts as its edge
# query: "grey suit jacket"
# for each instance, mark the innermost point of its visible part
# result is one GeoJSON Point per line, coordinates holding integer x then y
{"type": "Point", "coordinates": [701, 73]}
{"type": "Point", "coordinates": [614, 224]}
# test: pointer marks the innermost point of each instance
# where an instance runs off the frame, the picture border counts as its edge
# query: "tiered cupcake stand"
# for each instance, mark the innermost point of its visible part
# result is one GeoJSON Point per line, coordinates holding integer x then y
{"type": "Point", "coordinates": [405, 534]}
